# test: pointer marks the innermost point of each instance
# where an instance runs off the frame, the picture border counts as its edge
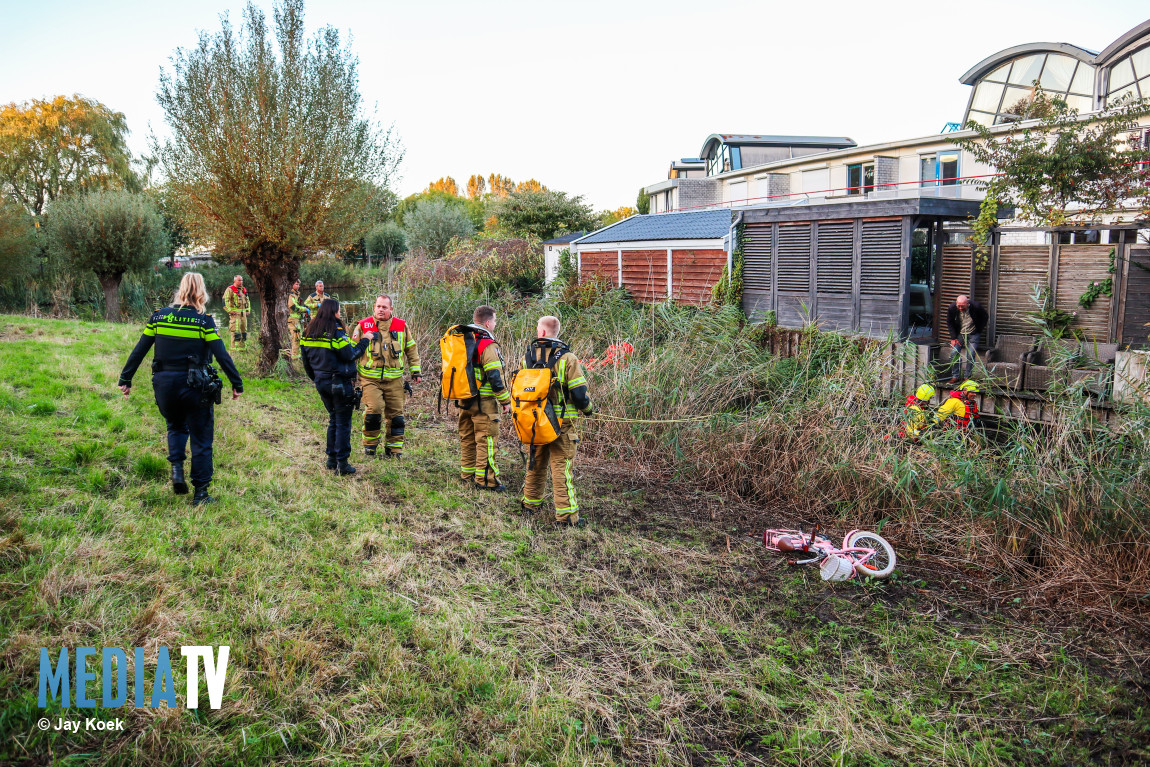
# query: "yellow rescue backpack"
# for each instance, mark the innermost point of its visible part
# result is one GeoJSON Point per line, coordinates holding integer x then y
{"type": "Point", "coordinates": [458, 347]}
{"type": "Point", "coordinates": [531, 408]}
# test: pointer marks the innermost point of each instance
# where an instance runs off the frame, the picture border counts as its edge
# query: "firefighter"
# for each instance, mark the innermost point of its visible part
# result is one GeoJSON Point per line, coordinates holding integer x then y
{"type": "Point", "coordinates": [314, 301]}
{"type": "Point", "coordinates": [381, 377]}
{"type": "Point", "coordinates": [917, 419]}
{"type": "Point", "coordinates": [569, 399]}
{"type": "Point", "coordinates": [298, 317]}
{"type": "Point", "coordinates": [960, 409]}
{"type": "Point", "coordinates": [479, 416]}
{"type": "Point", "coordinates": [238, 306]}
{"type": "Point", "coordinates": [182, 333]}
{"type": "Point", "coordinates": [329, 360]}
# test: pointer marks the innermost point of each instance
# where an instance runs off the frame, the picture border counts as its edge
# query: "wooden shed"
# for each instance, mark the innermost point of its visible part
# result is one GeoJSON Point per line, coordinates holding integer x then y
{"type": "Point", "coordinates": [676, 256]}
{"type": "Point", "coordinates": [846, 266]}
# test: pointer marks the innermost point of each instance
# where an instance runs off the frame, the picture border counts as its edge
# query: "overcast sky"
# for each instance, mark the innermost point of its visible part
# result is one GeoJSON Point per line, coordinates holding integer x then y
{"type": "Point", "coordinates": [592, 97]}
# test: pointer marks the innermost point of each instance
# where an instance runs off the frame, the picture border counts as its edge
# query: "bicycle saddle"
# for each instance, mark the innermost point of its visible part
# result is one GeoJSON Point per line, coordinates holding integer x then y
{"type": "Point", "coordinates": [790, 544]}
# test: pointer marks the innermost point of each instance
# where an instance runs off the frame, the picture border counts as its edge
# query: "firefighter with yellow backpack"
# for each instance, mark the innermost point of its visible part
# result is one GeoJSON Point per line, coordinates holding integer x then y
{"type": "Point", "coordinates": [473, 378]}
{"type": "Point", "coordinates": [548, 395]}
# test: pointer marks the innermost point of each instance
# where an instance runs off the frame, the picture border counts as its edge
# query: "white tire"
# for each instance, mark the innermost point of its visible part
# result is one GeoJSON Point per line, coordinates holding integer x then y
{"type": "Point", "coordinates": [883, 562]}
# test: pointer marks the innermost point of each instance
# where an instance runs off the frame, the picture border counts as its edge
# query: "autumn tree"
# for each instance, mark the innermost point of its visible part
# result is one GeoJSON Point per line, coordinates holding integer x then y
{"type": "Point", "coordinates": [109, 233]}
{"type": "Point", "coordinates": [500, 186]}
{"type": "Point", "coordinates": [271, 149]}
{"type": "Point", "coordinates": [608, 217]}
{"type": "Point", "coordinates": [53, 148]}
{"type": "Point", "coordinates": [446, 184]}
{"type": "Point", "coordinates": [476, 186]}
{"type": "Point", "coordinates": [530, 185]}
{"type": "Point", "coordinates": [543, 214]}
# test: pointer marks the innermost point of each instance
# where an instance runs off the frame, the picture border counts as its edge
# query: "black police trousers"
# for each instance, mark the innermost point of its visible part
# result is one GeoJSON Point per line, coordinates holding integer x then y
{"type": "Point", "coordinates": [180, 406]}
{"type": "Point", "coordinates": [338, 395]}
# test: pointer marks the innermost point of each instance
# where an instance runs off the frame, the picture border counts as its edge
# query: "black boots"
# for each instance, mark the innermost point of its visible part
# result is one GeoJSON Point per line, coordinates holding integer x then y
{"type": "Point", "coordinates": [201, 496]}
{"type": "Point", "coordinates": [368, 451]}
{"type": "Point", "coordinates": [344, 468]}
{"type": "Point", "coordinates": [179, 484]}
{"type": "Point", "coordinates": [331, 462]}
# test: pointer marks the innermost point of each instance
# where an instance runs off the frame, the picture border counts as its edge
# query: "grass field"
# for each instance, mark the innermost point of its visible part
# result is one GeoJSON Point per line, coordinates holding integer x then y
{"type": "Point", "coordinates": [402, 618]}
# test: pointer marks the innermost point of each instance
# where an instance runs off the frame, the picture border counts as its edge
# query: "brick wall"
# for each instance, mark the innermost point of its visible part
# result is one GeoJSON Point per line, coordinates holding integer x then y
{"type": "Point", "coordinates": [696, 192]}
{"type": "Point", "coordinates": [885, 172]}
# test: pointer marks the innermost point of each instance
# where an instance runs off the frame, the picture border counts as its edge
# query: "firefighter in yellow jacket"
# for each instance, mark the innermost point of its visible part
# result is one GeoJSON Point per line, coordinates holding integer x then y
{"type": "Point", "coordinates": [381, 377]}
{"type": "Point", "coordinates": [298, 315]}
{"type": "Point", "coordinates": [569, 399]}
{"type": "Point", "coordinates": [238, 306]}
{"type": "Point", "coordinates": [960, 410]}
{"type": "Point", "coordinates": [479, 416]}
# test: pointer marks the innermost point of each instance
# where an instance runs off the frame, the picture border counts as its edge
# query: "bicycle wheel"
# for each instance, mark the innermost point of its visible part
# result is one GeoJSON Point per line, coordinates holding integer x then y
{"type": "Point", "coordinates": [882, 563]}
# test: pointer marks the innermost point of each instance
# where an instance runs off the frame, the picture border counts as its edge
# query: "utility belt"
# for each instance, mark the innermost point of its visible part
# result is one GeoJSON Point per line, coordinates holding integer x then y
{"type": "Point", "coordinates": [180, 366]}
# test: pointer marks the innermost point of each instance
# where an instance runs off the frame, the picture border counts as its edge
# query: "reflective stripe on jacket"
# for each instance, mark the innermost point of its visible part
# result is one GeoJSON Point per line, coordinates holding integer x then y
{"type": "Point", "coordinates": [389, 352]}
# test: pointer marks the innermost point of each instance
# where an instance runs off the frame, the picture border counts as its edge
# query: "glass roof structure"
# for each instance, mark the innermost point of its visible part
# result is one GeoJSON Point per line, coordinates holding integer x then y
{"type": "Point", "coordinates": [1004, 84]}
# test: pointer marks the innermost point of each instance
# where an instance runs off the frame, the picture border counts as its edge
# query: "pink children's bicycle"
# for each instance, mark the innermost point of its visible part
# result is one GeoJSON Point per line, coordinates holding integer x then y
{"type": "Point", "coordinates": [863, 553]}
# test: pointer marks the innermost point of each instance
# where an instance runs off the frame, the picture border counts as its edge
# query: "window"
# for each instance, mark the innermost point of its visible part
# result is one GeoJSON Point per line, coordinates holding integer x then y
{"type": "Point", "coordinates": [1005, 93]}
{"type": "Point", "coordinates": [1130, 77]}
{"type": "Point", "coordinates": [860, 178]}
{"type": "Point", "coordinates": [666, 200]}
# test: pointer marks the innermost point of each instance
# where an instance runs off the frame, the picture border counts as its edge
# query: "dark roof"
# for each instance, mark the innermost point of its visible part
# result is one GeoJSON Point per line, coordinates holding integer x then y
{"type": "Point", "coordinates": [982, 68]}
{"type": "Point", "coordinates": [566, 238]}
{"type": "Point", "coordinates": [697, 225]}
{"type": "Point", "coordinates": [745, 139]}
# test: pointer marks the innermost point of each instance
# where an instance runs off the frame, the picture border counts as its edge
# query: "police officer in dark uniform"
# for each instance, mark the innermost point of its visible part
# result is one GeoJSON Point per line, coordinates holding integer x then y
{"type": "Point", "coordinates": [184, 336]}
{"type": "Point", "coordinates": [329, 359]}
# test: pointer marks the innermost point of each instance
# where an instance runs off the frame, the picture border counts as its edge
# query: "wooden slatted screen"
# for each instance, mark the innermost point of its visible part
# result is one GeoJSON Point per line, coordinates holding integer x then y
{"type": "Point", "coordinates": [795, 257]}
{"type": "Point", "coordinates": [954, 281]}
{"type": "Point", "coordinates": [757, 270]}
{"type": "Point", "coordinates": [1020, 269]}
{"type": "Point", "coordinates": [1136, 312]}
{"type": "Point", "coordinates": [603, 262]}
{"type": "Point", "coordinates": [1078, 266]}
{"type": "Point", "coordinates": [881, 257]}
{"type": "Point", "coordinates": [645, 274]}
{"type": "Point", "coordinates": [694, 273]}
{"type": "Point", "coordinates": [835, 252]}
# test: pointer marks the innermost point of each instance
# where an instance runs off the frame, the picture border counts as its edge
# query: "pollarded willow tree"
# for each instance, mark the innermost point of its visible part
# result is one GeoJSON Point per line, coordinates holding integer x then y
{"type": "Point", "coordinates": [270, 150]}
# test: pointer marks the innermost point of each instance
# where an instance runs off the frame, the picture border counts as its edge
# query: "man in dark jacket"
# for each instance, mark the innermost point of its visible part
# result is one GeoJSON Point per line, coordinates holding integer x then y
{"type": "Point", "coordinates": [967, 322]}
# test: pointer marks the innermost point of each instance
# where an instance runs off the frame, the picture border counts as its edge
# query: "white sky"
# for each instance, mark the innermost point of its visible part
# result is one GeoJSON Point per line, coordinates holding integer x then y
{"type": "Point", "coordinates": [592, 98]}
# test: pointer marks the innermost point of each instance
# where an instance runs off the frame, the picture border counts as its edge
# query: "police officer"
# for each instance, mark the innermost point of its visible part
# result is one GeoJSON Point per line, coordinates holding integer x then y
{"type": "Point", "coordinates": [381, 377]}
{"type": "Point", "coordinates": [238, 306]}
{"type": "Point", "coordinates": [183, 334]}
{"type": "Point", "coordinates": [329, 360]}
{"type": "Point", "coordinates": [298, 314]}
{"type": "Point", "coordinates": [569, 399]}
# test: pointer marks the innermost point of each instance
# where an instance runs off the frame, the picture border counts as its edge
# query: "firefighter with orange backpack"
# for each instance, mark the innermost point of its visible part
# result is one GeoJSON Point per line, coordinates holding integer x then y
{"type": "Point", "coordinates": [960, 409]}
{"type": "Point", "coordinates": [473, 378]}
{"type": "Point", "coordinates": [548, 394]}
